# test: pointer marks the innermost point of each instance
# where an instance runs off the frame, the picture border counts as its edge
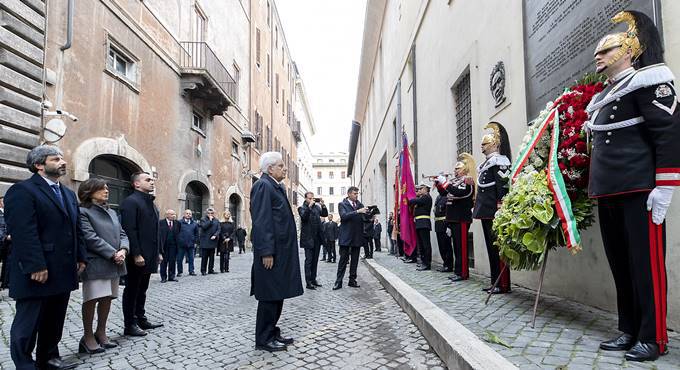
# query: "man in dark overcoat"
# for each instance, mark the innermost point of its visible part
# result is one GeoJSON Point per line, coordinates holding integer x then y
{"type": "Point", "coordinates": [351, 237]}
{"type": "Point", "coordinates": [330, 233]}
{"type": "Point", "coordinates": [276, 266]}
{"type": "Point", "coordinates": [168, 229]}
{"type": "Point", "coordinates": [139, 218]}
{"type": "Point", "coordinates": [310, 236]}
{"type": "Point", "coordinates": [47, 256]}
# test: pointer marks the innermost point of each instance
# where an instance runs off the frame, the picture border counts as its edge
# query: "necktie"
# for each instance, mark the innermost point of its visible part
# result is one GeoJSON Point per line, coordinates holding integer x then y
{"type": "Point", "coordinates": [354, 205]}
{"type": "Point", "coordinates": [57, 192]}
{"type": "Point", "coordinates": [170, 224]}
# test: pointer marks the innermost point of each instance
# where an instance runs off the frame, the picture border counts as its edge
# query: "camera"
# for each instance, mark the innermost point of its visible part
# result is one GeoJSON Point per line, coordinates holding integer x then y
{"type": "Point", "coordinates": [317, 200]}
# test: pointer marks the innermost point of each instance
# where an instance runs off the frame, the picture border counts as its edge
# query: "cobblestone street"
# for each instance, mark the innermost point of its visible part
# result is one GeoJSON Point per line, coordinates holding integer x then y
{"type": "Point", "coordinates": [567, 334]}
{"type": "Point", "coordinates": [210, 324]}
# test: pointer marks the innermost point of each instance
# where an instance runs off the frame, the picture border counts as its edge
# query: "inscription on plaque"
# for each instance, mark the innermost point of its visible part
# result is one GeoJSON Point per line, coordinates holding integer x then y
{"type": "Point", "coordinates": [559, 39]}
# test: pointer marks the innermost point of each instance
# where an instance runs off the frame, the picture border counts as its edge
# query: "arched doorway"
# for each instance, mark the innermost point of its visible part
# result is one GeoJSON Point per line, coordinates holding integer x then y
{"type": "Point", "coordinates": [116, 171]}
{"type": "Point", "coordinates": [197, 198]}
{"type": "Point", "coordinates": [235, 208]}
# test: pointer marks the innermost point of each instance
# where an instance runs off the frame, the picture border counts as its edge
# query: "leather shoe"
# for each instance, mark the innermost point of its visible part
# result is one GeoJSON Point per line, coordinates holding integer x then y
{"type": "Point", "coordinates": [83, 348]}
{"type": "Point", "coordinates": [192, 274]}
{"type": "Point", "coordinates": [316, 284]}
{"type": "Point", "coordinates": [146, 325]}
{"type": "Point", "coordinates": [273, 346]}
{"type": "Point", "coordinates": [444, 269]}
{"type": "Point", "coordinates": [623, 342]}
{"type": "Point", "coordinates": [310, 286]}
{"type": "Point", "coordinates": [212, 273]}
{"type": "Point", "coordinates": [337, 286]}
{"type": "Point", "coordinates": [643, 352]}
{"type": "Point", "coordinates": [134, 331]}
{"type": "Point", "coordinates": [455, 278]}
{"type": "Point", "coordinates": [108, 345]}
{"type": "Point", "coordinates": [175, 280]}
{"type": "Point", "coordinates": [58, 363]}
{"type": "Point", "coordinates": [353, 284]}
{"type": "Point", "coordinates": [283, 340]}
{"type": "Point", "coordinates": [410, 261]}
{"type": "Point", "coordinates": [164, 281]}
{"type": "Point", "coordinates": [423, 268]}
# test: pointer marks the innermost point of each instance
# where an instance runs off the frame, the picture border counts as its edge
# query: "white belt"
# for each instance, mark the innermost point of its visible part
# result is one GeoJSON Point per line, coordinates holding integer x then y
{"type": "Point", "coordinates": [616, 125]}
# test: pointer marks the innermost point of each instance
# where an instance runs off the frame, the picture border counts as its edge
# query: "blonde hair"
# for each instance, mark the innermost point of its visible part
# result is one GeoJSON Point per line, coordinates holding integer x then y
{"type": "Point", "coordinates": [224, 216]}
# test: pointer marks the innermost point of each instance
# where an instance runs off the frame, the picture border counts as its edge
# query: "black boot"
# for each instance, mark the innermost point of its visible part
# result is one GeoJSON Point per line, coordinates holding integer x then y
{"type": "Point", "coordinates": [643, 352]}
{"type": "Point", "coordinates": [623, 342]}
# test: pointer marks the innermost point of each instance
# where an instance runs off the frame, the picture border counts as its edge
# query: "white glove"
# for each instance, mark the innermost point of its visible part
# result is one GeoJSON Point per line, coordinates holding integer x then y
{"type": "Point", "coordinates": [658, 202]}
{"type": "Point", "coordinates": [441, 179]}
{"type": "Point", "coordinates": [448, 232]}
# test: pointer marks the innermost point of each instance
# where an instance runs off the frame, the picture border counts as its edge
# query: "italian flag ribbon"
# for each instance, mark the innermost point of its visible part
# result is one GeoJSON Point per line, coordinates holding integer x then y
{"type": "Point", "coordinates": [555, 179]}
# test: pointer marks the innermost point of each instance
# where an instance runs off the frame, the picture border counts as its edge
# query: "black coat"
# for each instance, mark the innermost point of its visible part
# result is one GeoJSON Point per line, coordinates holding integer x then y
{"type": "Point", "coordinates": [208, 230]}
{"type": "Point", "coordinates": [274, 234]}
{"type": "Point", "coordinates": [377, 230]}
{"type": "Point", "coordinates": [422, 211]}
{"type": "Point", "coordinates": [492, 185]}
{"type": "Point", "coordinates": [164, 238]}
{"type": "Point", "coordinates": [390, 227]}
{"type": "Point", "coordinates": [45, 235]}
{"type": "Point", "coordinates": [459, 201]}
{"type": "Point", "coordinates": [635, 127]}
{"type": "Point", "coordinates": [241, 235]}
{"type": "Point", "coordinates": [310, 224]}
{"type": "Point", "coordinates": [139, 217]}
{"type": "Point", "coordinates": [330, 231]}
{"type": "Point", "coordinates": [440, 211]}
{"type": "Point", "coordinates": [352, 225]}
{"type": "Point", "coordinates": [226, 232]}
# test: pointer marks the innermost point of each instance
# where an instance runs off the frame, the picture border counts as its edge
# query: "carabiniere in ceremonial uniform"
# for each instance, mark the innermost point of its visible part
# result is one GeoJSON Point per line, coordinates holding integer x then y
{"type": "Point", "coordinates": [441, 229]}
{"type": "Point", "coordinates": [635, 166]}
{"type": "Point", "coordinates": [422, 209]}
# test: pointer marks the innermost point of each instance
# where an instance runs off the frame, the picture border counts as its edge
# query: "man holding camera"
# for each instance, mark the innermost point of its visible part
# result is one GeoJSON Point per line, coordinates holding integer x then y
{"type": "Point", "coordinates": [352, 216]}
{"type": "Point", "coordinates": [310, 235]}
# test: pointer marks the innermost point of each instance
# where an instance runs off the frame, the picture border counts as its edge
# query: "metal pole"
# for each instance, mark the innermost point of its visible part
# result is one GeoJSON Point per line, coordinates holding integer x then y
{"type": "Point", "coordinates": [540, 287]}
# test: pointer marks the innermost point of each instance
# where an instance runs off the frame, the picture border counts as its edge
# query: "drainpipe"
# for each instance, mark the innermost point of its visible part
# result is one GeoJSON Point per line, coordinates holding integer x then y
{"type": "Point", "coordinates": [415, 111]}
{"type": "Point", "coordinates": [69, 26]}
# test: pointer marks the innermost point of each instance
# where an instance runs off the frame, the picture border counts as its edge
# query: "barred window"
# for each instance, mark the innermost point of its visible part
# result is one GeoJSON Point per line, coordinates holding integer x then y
{"type": "Point", "coordinates": [463, 103]}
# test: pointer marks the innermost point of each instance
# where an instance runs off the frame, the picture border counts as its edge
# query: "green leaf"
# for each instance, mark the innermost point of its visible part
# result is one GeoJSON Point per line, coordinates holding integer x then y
{"type": "Point", "coordinates": [492, 337]}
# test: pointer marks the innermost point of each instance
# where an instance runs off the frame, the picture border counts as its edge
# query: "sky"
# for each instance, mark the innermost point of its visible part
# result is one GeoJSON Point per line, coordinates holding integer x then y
{"type": "Point", "coordinates": [324, 38]}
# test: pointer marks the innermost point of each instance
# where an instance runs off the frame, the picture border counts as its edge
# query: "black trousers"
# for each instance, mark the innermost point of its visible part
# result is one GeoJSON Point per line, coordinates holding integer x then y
{"type": "Point", "coordinates": [376, 242]}
{"type": "Point", "coordinates": [268, 315]}
{"type": "Point", "coordinates": [424, 246]}
{"type": "Point", "coordinates": [445, 248]}
{"type": "Point", "coordinates": [330, 245]}
{"type": "Point", "coordinates": [169, 262]}
{"type": "Point", "coordinates": [400, 247]}
{"type": "Point", "coordinates": [241, 247]}
{"type": "Point", "coordinates": [312, 262]}
{"type": "Point", "coordinates": [393, 246]}
{"type": "Point", "coordinates": [134, 295]}
{"type": "Point", "coordinates": [350, 254]}
{"type": "Point", "coordinates": [459, 233]}
{"type": "Point", "coordinates": [224, 261]}
{"type": "Point", "coordinates": [368, 248]}
{"type": "Point", "coordinates": [636, 249]}
{"type": "Point", "coordinates": [207, 260]}
{"type": "Point", "coordinates": [496, 265]}
{"type": "Point", "coordinates": [37, 319]}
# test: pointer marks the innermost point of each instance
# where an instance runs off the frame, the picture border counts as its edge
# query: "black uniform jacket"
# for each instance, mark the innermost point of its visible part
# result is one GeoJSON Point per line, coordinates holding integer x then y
{"type": "Point", "coordinates": [273, 234]}
{"type": "Point", "coordinates": [139, 218]}
{"type": "Point", "coordinates": [351, 225]}
{"type": "Point", "coordinates": [45, 235]}
{"type": "Point", "coordinates": [422, 207]}
{"type": "Point", "coordinates": [459, 201]}
{"type": "Point", "coordinates": [310, 224]}
{"type": "Point", "coordinates": [491, 185]}
{"type": "Point", "coordinates": [635, 128]}
{"type": "Point", "coordinates": [440, 211]}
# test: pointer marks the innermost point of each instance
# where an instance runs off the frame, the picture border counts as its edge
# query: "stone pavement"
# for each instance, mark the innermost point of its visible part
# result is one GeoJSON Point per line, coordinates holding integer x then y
{"type": "Point", "coordinates": [566, 336]}
{"type": "Point", "coordinates": [210, 324]}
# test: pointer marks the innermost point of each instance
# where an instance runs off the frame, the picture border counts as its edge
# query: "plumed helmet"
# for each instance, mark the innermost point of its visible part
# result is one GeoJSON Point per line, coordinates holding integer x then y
{"type": "Point", "coordinates": [641, 38]}
{"type": "Point", "coordinates": [495, 134]}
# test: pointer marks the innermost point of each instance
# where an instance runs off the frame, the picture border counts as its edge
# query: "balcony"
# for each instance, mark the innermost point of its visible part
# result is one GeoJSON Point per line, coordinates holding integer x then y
{"type": "Point", "coordinates": [295, 130]}
{"type": "Point", "coordinates": [205, 78]}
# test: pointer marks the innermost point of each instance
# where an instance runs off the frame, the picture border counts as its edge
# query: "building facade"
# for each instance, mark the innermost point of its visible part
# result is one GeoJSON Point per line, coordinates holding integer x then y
{"type": "Point", "coordinates": [329, 171]}
{"type": "Point", "coordinates": [438, 89]}
{"type": "Point", "coordinates": [304, 130]}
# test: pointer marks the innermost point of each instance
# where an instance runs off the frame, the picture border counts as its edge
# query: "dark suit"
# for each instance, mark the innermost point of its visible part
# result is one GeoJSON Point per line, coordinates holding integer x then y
{"type": "Point", "coordinates": [273, 234]}
{"type": "Point", "coordinates": [310, 237]}
{"type": "Point", "coordinates": [377, 233]}
{"type": "Point", "coordinates": [351, 238]}
{"type": "Point", "coordinates": [241, 238]}
{"type": "Point", "coordinates": [209, 229]}
{"type": "Point", "coordinates": [139, 217]}
{"type": "Point", "coordinates": [169, 241]}
{"type": "Point", "coordinates": [330, 233]}
{"type": "Point", "coordinates": [188, 238]}
{"type": "Point", "coordinates": [46, 234]}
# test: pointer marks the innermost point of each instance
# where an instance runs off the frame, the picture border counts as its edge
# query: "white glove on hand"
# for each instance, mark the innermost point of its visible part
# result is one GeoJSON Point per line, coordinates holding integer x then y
{"type": "Point", "coordinates": [448, 232]}
{"type": "Point", "coordinates": [658, 202]}
{"type": "Point", "coordinates": [441, 179]}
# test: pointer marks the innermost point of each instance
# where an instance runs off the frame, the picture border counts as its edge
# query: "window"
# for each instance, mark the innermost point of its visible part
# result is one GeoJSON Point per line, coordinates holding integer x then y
{"type": "Point", "coordinates": [276, 37]}
{"type": "Point", "coordinates": [331, 161]}
{"type": "Point", "coordinates": [318, 174]}
{"type": "Point", "coordinates": [331, 191]}
{"type": "Point", "coordinates": [343, 190]}
{"type": "Point", "coordinates": [258, 131]}
{"type": "Point", "coordinates": [319, 160]}
{"type": "Point", "coordinates": [234, 150]}
{"type": "Point", "coordinates": [395, 131]}
{"type": "Point", "coordinates": [342, 174]}
{"type": "Point", "coordinates": [331, 175]}
{"type": "Point", "coordinates": [269, 14]}
{"type": "Point", "coordinates": [269, 139]}
{"type": "Point", "coordinates": [283, 98]}
{"type": "Point", "coordinates": [269, 70]}
{"type": "Point", "coordinates": [200, 25]}
{"type": "Point", "coordinates": [277, 87]}
{"type": "Point", "coordinates": [463, 102]}
{"type": "Point", "coordinates": [331, 207]}
{"type": "Point", "coordinates": [237, 74]}
{"type": "Point", "coordinates": [198, 122]}
{"type": "Point", "coordinates": [318, 190]}
{"type": "Point", "coordinates": [121, 64]}
{"type": "Point", "coordinates": [257, 46]}
{"type": "Point", "coordinates": [343, 161]}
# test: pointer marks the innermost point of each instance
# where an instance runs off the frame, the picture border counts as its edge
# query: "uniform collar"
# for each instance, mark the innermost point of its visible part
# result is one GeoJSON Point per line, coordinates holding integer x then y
{"type": "Point", "coordinates": [619, 76]}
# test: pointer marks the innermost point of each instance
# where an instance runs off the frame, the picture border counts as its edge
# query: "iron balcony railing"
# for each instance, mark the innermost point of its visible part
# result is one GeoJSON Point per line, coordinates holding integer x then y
{"type": "Point", "coordinates": [197, 55]}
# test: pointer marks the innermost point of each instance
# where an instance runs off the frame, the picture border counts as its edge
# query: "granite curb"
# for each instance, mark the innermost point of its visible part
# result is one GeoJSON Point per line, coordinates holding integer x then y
{"type": "Point", "coordinates": [457, 346]}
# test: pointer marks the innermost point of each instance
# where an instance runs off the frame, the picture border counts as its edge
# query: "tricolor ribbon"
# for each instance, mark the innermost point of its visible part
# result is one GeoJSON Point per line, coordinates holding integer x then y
{"type": "Point", "coordinates": [555, 179]}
